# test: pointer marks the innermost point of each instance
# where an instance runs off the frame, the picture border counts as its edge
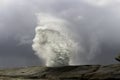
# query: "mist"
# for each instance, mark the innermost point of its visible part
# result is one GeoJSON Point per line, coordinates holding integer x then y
{"type": "Point", "coordinates": [53, 41]}
{"type": "Point", "coordinates": [94, 24]}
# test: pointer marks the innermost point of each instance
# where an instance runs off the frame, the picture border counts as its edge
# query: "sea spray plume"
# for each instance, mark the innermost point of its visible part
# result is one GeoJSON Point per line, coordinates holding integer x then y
{"type": "Point", "coordinates": [52, 41]}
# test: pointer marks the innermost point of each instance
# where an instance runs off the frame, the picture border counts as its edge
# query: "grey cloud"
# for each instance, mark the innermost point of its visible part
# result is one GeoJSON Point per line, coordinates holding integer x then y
{"type": "Point", "coordinates": [102, 3]}
{"type": "Point", "coordinates": [97, 30]}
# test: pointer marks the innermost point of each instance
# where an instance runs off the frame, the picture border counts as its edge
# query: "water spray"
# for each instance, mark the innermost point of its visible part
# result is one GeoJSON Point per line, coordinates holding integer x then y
{"type": "Point", "coordinates": [52, 41]}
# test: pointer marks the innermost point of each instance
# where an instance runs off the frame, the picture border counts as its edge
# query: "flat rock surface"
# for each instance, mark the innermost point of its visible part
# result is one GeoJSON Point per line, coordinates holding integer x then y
{"type": "Point", "coordinates": [82, 72]}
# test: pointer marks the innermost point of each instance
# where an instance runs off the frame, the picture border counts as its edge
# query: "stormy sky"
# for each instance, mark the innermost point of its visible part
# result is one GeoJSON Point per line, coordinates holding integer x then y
{"type": "Point", "coordinates": [95, 24]}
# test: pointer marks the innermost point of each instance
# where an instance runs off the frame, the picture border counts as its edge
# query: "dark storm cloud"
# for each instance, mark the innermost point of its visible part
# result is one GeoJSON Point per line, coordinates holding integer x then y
{"type": "Point", "coordinates": [16, 29]}
{"type": "Point", "coordinates": [95, 24]}
{"type": "Point", "coordinates": [12, 55]}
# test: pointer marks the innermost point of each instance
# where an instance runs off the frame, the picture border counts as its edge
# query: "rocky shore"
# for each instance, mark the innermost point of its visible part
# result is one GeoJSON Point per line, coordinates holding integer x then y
{"type": "Point", "coordinates": [82, 72]}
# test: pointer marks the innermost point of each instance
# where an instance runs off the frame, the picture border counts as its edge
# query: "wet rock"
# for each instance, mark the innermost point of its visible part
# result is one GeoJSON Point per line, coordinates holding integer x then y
{"type": "Point", "coordinates": [118, 57]}
{"type": "Point", "coordinates": [82, 72]}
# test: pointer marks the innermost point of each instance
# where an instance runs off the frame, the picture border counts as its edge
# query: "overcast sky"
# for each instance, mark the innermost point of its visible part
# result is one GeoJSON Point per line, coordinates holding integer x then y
{"type": "Point", "coordinates": [95, 24]}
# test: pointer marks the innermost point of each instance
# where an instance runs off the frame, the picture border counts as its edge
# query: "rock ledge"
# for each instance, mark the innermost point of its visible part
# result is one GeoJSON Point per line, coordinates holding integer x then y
{"type": "Point", "coordinates": [82, 72]}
